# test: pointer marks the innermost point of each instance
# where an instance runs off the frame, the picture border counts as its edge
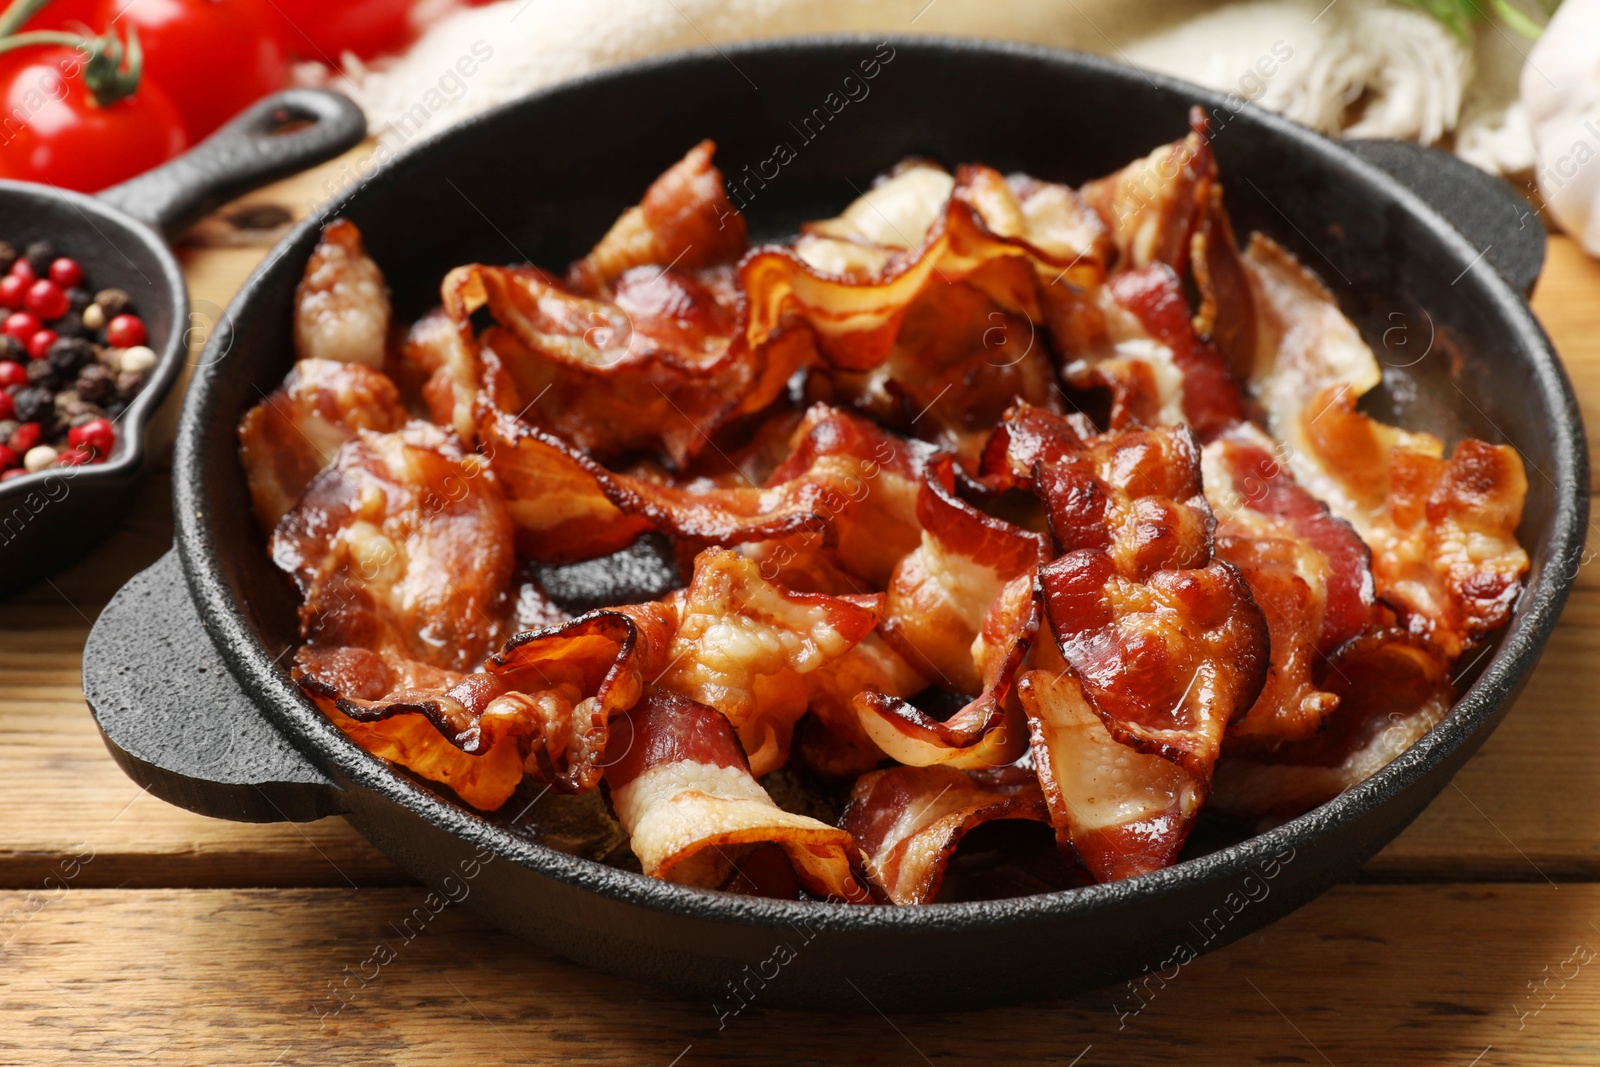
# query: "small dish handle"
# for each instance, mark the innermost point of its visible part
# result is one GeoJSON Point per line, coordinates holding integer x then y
{"type": "Point", "coordinates": [177, 722]}
{"type": "Point", "coordinates": [276, 136]}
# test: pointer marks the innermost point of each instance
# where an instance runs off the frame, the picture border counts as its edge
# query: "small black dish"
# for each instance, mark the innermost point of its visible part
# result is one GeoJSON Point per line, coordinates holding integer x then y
{"type": "Point", "coordinates": [202, 712]}
{"type": "Point", "coordinates": [51, 517]}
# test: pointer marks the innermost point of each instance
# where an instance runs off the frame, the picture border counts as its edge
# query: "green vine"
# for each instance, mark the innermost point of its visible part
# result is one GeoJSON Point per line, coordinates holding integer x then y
{"type": "Point", "coordinates": [111, 67]}
{"type": "Point", "coordinates": [1461, 16]}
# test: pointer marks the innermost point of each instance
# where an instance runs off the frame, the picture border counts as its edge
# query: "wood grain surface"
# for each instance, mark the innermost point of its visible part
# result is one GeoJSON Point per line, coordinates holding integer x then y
{"type": "Point", "coordinates": [137, 932]}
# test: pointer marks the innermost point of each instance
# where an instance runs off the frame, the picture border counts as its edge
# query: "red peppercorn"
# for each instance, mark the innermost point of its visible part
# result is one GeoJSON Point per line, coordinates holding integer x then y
{"type": "Point", "coordinates": [9, 458]}
{"type": "Point", "coordinates": [14, 472]}
{"type": "Point", "coordinates": [25, 437]}
{"type": "Point", "coordinates": [13, 292]}
{"type": "Point", "coordinates": [24, 270]}
{"type": "Point", "coordinates": [47, 300]}
{"type": "Point", "coordinates": [66, 273]}
{"type": "Point", "coordinates": [125, 331]}
{"type": "Point", "coordinates": [74, 457]}
{"type": "Point", "coordinates": [96, 435]}
{"type": "Point", "coordinates": [12, 373]}
{"type": "Point", "coordinates": [22, 325]}
{"type": "Point", "coordinates": [39, 344]}
{"type": "Point", "coordinates": [8, 406]}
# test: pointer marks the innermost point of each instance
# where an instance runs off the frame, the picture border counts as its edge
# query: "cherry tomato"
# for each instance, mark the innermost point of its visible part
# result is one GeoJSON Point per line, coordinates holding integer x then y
{"type": "Point", "coordinates": [66, 273]}
{"type": "Point", "coordinates": [125, 331]}
{"type": "Point", "coordinates": [67, 139]}
{"type": "Point", "coordinates": [211, 57]}
{"type": "Point", "coordinates": [321, 30]}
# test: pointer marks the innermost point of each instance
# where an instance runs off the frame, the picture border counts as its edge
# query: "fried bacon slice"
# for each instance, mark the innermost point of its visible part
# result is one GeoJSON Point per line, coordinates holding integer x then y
{"type": "Point", "coordinates": [1392, 689]}
{"type": "Point", "coordinates": [1442, 529]}
{"type": "Point", "coordinates": [440, 370]}
{"type": "Point", "coordinates": [1143, 348]}
{"type": "Point", "coordinates": [856, 304]}
{"type": "Point", "coordinates": [681, 788]}
{"type": "Point", "coordinates": [658, 366]}
{"type": "Point", "coordinates": [542, 706]}
{"type": "Point", "coordinates": [744, 646]}
{"type": "Point", "coordinates": [847, 481]}
{"type": "Point", "coordinates": [907, 821]}
{"type": "Point", "coordinates": [292, 434]}
{"type": "Point", "coordinates": [400, 547]}
{"type": "Point", "coordinates": [685, 219]}
{"type": "Point", "coordinates": [831, 740]}
{"type": "Point", "coordinates": [1153, 206]}
{"type": "Point", "coordinates": [1308, 571]}
{"type": "Point", "coordinates": [341, 308]}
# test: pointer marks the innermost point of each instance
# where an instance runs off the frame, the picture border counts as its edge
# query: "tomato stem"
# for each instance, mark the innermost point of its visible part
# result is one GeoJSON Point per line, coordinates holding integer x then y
{"type": "Point", "coordinates": [110, 68]}
{"type": "Point", "coordinates": [17, 14]}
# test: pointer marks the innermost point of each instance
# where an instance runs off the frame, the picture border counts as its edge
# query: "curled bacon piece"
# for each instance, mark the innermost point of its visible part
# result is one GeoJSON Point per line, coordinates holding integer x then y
{"type": "Point", "coordinates": [568, 506]}
{"type": "Point", "coordinates": [1392, 688]}
{"type": "Point", "coordinates": [1308, 571]}
{"type": "Point", "coordinates": [541, 707]}
{"type": "Point", "coordinates": [1442, 530]}
{"type": "Point", "coordinates": [397, 546]}
{"type": "Point", "coordinates": [744, 645]}
{"type": "Point", "coordinates": [292, 434]}
{"type": "Point", "coordinates": [685, 218]}
{"type": "Point", "coordinates": [440, 369]}
{"type": "Point", "coordinates": [907, 821]}
{"type": "Point", "coordinates": [857, 315]}
{"type": "Point", "coordinates": [341, 308]}
{"type": "Point", "coordinates": [831, 740]}
{"type": "Point", "coordinates": [1153, 205]}
{"type": "Point", "coordinates": [682, 789]}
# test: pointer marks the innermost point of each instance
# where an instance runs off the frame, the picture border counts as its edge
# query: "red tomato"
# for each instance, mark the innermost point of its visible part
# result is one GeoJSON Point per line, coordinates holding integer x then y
{"type": "Point", "coordinates": [213, 57]}
{"type": "Point", "coordinates": [67, 15]}
{"type": "Point", "coordinates": [66, 139]}
{"type": "Point", "coordinates": [322, 29]}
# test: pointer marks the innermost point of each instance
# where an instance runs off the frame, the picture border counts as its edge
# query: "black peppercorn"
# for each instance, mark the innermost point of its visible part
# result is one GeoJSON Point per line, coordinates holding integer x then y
{"type": "Point", "coordinates": [7, 428]}
{"type": "Point", "coordinates": [97, 383]}
{"type": "Point", "coordinates": [8, 256]}
{"type": "Point", "coordinates": [128, 385]}
{"type": "Point", "coordinates": [40, 373]}
{"type": "Point", "coordinates": [35, 404]}
{"type": "Point", "coordinates": [78, 299]}
{"type": "Point", "coordinates": [40, 255]}
{"type": "Point", "coordinates": [71, 325]}
{"type": "Point", "coordinates": [68, 355]}
{"type": "Point", "coordinates": [12, 349]}
{"type": "Point", "coordinates": [113, 302]}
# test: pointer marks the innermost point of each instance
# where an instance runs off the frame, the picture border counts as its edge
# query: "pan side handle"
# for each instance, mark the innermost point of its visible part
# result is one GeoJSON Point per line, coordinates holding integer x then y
{"type": "Point", "coordinates": [175, 718]}
{"type": "Point", "coordinates": [1494, 217]}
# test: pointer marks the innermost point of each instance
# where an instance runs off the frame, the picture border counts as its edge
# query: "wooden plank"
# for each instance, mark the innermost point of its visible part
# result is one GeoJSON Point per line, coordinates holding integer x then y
{"type": "Point", "coordinates": [1369, 975]}
{"type": "Point", "coordinates": [1567, 301]}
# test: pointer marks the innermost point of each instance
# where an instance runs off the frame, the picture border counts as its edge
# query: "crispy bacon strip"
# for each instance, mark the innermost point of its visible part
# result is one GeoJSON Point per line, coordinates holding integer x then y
{"type": "Point", "coordinates": [437, 367]}
{"type": "Point", "coordinates": [1153, 205]}
{"type": "Point", "coordinates": [908, 821]}
{"type": "Point", "coordinates": [341, 308]}
{"type": "Point", "coordinates": [684, 218]}
{"type": "Point", "coordinates": [660, 365]}
{"type": "Point", "coordinates": [1122, 811]}
{"type": "Point", "coordinates": [542, 706]}
{"type": "Point", "coordinates": [856, 308]}
{"type": "Point", "coordinates": [1308, 571]}
{"type": "Point", "coordinates": [292, 434]}
{"type": "Point", "coordinates": [744, 646]}
{"type": "Point", "coordinates": [1442, 530]}
{"type": "Point", "coordinates": [831, 740]}
{"type": "Point", "coordinates": [846, 480]}
{"type": "Point", "coordinates": [682, 789]}
{"type": "Point", "coordinates": [400, 547]}
{"type": "Point", "coordinates": [1392, 689]}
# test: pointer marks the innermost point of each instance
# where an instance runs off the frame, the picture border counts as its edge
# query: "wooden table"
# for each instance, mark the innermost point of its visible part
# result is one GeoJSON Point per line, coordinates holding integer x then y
{"type": "Point", "coordinates": [135, 931]}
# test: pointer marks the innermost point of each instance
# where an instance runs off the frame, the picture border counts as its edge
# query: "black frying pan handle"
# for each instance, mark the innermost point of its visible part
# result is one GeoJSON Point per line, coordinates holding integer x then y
{"type": "Point", "coordinates": [177, 722]}
{"type": "Point", "coordinates": [1487, 211]}
{"type": "Point", "coordinates": [245, 154]}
